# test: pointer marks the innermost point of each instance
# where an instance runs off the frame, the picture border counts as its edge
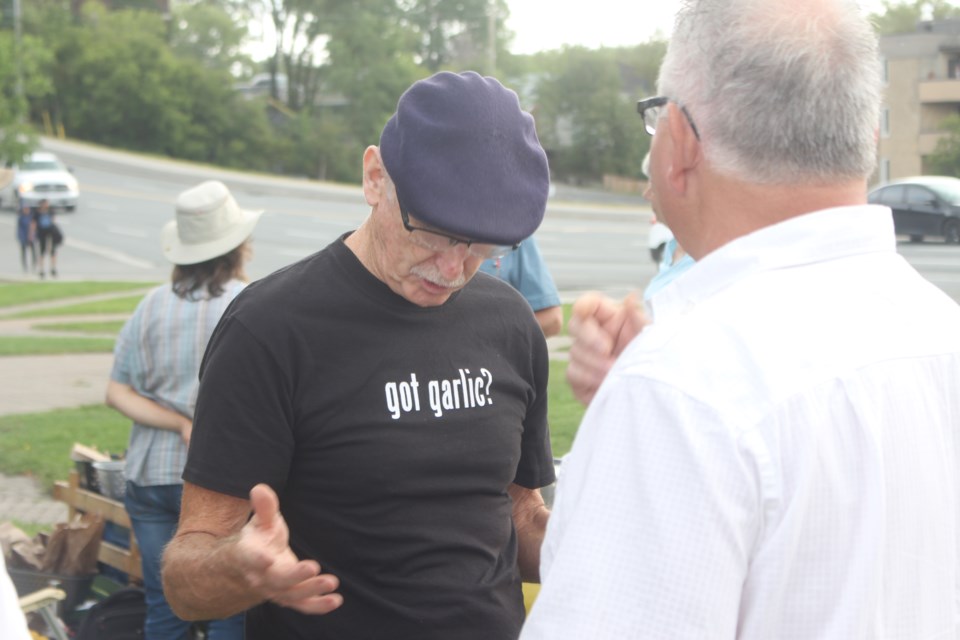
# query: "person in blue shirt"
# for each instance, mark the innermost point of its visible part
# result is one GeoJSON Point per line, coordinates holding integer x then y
{"type": "Point", "coordinates": [525, 270]}
{"type": "Point", "coordinates": [674, 260]}
{"type": "Point", "coordinates": [27, 238]}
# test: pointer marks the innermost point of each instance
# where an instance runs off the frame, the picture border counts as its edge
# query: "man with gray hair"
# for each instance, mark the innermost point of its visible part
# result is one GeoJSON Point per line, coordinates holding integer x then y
{"type": "Point", "coordinates": [778, 454]}
{"type": "Point", "coordinates": [379, 406]}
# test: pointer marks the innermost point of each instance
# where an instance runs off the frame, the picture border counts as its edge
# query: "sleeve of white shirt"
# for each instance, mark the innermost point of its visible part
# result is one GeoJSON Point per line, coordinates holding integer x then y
{"type": "Point", "coordinates": [13, 625]}
{"type": "Point", "coordinates": [656, 513]}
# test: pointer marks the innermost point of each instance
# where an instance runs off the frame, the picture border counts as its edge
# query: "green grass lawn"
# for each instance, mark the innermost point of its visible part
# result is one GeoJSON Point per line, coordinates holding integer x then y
{"type": "Point", "coordinates": [39, 444]}
{"type": "Point", "coordinates": [108, 326]}
{"type": "Point", "coordinates": [564, 411]}
{"type": "Point", "coordinates": [54, 345]}
{"type": "Point", "coordinates": [124, 304]}
{"type": "Point", "coordinates": [18, 293]}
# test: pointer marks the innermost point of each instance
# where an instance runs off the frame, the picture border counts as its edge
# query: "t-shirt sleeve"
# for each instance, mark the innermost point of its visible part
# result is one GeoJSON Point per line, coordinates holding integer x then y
{"type": "Point", "coordinates": [533, 279]}
{"type": "Point", "coordinates": [242, 430]}
{"type": "Point", "coordinates": [536, 454]}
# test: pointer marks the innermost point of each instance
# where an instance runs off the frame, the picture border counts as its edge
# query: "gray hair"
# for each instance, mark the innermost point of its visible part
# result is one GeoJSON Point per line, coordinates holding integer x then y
{"type": "Point", "coordinates": [781, 91]}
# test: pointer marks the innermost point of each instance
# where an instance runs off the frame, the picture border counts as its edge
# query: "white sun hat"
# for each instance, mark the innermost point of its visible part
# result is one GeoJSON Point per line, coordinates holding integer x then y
{"type": "Point", "coordinates": [209, 224]}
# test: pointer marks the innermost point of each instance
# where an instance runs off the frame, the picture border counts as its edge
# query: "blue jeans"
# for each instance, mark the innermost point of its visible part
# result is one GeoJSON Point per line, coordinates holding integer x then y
{"type": "Point", "coordinates": [154, 512]}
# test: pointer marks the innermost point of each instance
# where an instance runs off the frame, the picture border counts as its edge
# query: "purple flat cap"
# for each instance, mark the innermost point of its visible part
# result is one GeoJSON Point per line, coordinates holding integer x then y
{"type": "Point", "coordinates": [465, 158]}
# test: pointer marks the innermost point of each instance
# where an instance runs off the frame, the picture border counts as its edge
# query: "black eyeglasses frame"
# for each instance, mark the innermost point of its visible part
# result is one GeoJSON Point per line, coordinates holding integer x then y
{"type": "Point", "coordinates": [656, 102]}
{"type": "Point", "coordinates": [498, 250]}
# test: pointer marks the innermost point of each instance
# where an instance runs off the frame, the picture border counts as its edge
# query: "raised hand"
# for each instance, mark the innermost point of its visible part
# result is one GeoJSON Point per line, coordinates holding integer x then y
{"type": "Point", "coordinates": [272, 569]}
{"type": "Point", "coordinates": [601, 329]}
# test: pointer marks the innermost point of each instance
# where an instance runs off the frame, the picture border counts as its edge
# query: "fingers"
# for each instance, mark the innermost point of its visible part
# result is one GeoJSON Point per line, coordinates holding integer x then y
{"type": "Point", "coordinates": [593, 305]}
{"type": "Point", "coordinates": [318, 589]}
{"type": "Point", "coordinates": [317, 605]}
{"type": "Point", "coordinates": [601, 329]}
{"type": "Point", "coordinates": [299, 586]}
{"type": "Point", "coordinates": [272, 570]}
{"type": "Point", "coordinates": [631, 322]}
{"type": "Point", "coordinates": [265, 505]}
{"type": "Point", "coordinates": [591, 356]}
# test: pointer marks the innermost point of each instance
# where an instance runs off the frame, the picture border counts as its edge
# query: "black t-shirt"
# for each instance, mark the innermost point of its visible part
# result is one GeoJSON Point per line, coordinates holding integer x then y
{"type": "Point", "coordinates": [391, 433]}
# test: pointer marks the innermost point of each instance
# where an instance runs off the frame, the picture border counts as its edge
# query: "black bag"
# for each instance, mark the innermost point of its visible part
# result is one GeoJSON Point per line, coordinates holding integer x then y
{"type": "Point", "coordinates": [57, 235]}
{"type": "Point", "coordinates": [119, 616]}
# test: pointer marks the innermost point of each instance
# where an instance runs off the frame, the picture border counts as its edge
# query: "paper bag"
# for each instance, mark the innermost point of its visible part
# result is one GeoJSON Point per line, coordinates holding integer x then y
{"type": "Point", "coordinates": [74, 546]}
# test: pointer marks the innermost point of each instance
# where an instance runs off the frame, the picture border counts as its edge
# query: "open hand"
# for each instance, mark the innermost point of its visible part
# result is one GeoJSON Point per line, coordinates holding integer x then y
{"type": "Point", "coordinates": [273, 570]}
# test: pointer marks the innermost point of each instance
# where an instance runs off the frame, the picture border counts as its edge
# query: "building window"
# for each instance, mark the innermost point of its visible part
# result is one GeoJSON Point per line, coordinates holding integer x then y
{"type": "Point", "coordinates": [884, 170]}
{"type": "Point", "coordinates": [885, 123]}
{"type": "Point", "coordinates": [886, 71]}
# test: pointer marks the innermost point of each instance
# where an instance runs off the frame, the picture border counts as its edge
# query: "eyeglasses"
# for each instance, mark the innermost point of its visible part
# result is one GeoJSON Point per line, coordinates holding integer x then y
{"type": "Point", "coordinates": [649, 110]}
{"type": "Point", "coordinates": [438, 241]}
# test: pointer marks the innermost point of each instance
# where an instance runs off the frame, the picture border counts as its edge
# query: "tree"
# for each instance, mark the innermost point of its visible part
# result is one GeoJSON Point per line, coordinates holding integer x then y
{"type": "Point", "coordinates": [903, 16]}
{"type": "Point", "coordinates": [25, 76]}
{"type": "Point", "coordinates": [299, 28]}
{"type": "Point", "coordinates": [585, 110]}
{"type": "Point", "coordinates": [457, 32]}
{"type": "Point", "coordinates": [945, 159]}
{"type": "Point", "coordinates": [119, 84]}
{"type": "Point", "coordinates": [211, 35]}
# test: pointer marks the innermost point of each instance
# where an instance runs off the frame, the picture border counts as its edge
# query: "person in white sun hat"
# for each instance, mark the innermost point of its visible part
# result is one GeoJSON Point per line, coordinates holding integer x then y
{"type": "Point", "coordinates": [154, 377]}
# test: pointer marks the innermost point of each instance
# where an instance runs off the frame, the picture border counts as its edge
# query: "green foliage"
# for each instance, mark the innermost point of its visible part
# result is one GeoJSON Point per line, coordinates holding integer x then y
{"type": "Point", "coordinates": [945, 159]}
{"type": "Point", "coordinates": [585, 110]}
{"type": "Point", "coordinates": [210, 35]}
{"type": "Point", "coordinates": [131, 77]}
{"type": "Point", "coordinates": [39, 444]}
{"type": "Point", "coordinates": [455, 33]}
{"type": "Point", "coordinates": [25, 75]}
{"type": "Point", "coordinates": [902, 16]}
{"type": "Point", "coordinates": [369, 69]}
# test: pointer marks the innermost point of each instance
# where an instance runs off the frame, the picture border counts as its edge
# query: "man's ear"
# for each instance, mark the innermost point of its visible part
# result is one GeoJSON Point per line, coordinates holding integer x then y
{"type": "Point", "coordinates": [684, 148]}
{"type": "Point", "coordinates": [373, 175]}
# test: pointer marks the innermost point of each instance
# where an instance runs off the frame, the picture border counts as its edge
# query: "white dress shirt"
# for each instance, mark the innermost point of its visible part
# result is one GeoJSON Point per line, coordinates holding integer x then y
{"type": "Point", "coordinates": [775, 457]}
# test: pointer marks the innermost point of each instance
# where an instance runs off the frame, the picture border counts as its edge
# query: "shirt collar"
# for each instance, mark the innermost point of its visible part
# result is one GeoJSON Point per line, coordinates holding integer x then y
{"type": "Point", "coordinates": [820, 236]}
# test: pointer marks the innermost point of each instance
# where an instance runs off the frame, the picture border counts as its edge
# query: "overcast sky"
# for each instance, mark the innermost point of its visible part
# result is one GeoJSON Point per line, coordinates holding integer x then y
{"type": "Point", "coordinates": [549, 24]}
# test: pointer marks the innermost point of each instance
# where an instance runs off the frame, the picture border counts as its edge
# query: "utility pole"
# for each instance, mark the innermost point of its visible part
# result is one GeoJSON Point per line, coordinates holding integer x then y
{"type": "Point", "coordinates": [492, 37]}
{"type": "Point", "coordinates": [18, 54]}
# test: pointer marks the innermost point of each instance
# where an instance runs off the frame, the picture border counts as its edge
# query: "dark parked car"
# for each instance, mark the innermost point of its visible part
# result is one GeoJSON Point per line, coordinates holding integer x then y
{"type": "Point", "coordinates": [923, 206]}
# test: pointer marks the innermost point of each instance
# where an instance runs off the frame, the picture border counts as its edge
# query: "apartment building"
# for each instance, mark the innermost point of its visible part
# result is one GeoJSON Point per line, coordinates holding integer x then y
{"type": "Point", "coordinates": [922, 78]}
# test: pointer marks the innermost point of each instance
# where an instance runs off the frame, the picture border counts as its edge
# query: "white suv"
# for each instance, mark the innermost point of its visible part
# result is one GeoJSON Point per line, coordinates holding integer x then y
{"type": "Point", "coordinates": [42, 176]}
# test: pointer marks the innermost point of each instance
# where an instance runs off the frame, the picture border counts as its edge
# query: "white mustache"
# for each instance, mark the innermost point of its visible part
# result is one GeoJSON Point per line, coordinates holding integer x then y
{"type": "Point", "coordinates": [431, 273]}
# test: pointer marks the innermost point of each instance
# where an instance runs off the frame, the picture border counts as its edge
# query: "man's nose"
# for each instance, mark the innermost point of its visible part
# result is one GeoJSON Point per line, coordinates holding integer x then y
{"type": "Point", "coordinates": [450, 261]}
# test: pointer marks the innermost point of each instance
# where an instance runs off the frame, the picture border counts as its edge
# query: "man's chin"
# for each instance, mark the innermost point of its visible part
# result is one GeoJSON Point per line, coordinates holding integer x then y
{"type": "Point", "coordinates": [430, 294]}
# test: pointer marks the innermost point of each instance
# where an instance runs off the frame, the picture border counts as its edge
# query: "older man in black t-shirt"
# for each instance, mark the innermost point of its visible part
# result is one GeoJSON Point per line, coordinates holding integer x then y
{"type": "Point", "coordinates": [390, 405]}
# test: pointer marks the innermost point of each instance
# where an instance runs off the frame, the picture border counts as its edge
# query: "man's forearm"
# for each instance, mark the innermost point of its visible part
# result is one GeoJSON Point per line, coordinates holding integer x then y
{"type": "Point", "coordinates": [530, 516]}
{"type": "Point", "coordinates": [201, 580]}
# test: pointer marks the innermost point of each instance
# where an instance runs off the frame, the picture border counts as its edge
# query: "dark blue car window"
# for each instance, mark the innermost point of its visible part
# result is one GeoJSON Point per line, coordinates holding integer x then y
{"type": "Point", "coordinates": [919, 195]}
{"type": "Point", "coordinates": [891, 195]}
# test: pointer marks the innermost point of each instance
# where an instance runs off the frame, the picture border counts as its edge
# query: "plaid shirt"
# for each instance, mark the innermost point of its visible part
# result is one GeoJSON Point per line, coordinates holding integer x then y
{"type": "Point", "coordinates": [158, 353]}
